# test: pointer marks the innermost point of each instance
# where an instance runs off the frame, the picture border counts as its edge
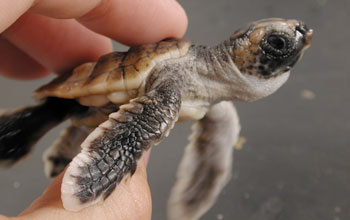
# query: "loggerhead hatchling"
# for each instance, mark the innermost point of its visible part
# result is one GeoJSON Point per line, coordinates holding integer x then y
{"type": "Point", "coordinates": [126, 102]}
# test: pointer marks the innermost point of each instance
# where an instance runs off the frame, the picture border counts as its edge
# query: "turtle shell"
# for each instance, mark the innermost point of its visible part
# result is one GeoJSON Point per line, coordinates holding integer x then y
{"type": "Point", "coordinates": [115, 77]}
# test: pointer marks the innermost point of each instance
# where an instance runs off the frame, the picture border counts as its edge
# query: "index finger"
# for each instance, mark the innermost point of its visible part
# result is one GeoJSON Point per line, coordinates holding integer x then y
{"type": "Point", "coordinates": [129, 22]}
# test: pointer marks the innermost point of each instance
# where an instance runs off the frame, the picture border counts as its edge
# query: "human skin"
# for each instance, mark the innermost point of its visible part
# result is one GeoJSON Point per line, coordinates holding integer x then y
{"type": "Point", "coordinates": [43, 36]}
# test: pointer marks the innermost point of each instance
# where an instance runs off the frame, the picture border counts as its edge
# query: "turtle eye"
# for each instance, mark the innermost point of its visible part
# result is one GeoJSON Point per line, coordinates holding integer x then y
{"type": "Point", "coordinates": [276, 42]}
{"type": "Point", "coordinates": [277, 45]}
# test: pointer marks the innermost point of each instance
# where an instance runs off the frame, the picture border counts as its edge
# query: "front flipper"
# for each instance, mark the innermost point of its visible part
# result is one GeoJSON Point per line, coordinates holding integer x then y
{"type": "Point", "coordinates": [113, 149]}
{"type": "Point", "coordinates": [206, 164]}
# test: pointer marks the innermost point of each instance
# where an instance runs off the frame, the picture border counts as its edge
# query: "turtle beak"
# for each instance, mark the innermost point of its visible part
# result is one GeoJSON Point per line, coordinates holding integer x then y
{"type": "Point", "coordinates": [308, 37]}
{"type": "Point", "coordinates": [304, 38]}
{"type": "Point", "coordinates": [306, 34]}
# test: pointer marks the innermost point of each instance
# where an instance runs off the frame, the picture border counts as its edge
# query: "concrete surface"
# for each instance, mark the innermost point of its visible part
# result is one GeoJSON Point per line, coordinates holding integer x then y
{"type": "Point", "coordinates": [295, 164]}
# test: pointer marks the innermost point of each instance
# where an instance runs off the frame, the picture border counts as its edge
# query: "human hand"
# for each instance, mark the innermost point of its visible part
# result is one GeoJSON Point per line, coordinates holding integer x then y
{"type": "Point", "coordinates": [131, 200]}
{"type": "Point", "coordinates": [34, 42]}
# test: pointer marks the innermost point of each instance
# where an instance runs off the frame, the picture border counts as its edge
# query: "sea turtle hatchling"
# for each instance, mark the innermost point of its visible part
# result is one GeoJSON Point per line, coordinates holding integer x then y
{"type": "Point", "coordinates": [126, 102]}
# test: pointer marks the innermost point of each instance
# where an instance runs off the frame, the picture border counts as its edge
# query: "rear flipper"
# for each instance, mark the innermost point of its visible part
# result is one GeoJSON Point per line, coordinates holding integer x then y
{"type": "Point", "coordinates": [62, 151]}
{"type": "Point", "coordinates": [22, 128]}
{"type": "Point", "coordinates": [206, 165]}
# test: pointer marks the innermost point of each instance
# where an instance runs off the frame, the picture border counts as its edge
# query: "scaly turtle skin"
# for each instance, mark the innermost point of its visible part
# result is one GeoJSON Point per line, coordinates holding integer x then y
{"type": "Point", "coordinates": [128, 101]}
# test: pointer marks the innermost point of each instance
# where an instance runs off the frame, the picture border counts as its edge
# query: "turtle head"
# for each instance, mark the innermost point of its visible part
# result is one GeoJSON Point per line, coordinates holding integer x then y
{"type": "Point", "coordinates": [264, 52]}
{"type": "Point", "coordinates": [269, 47]}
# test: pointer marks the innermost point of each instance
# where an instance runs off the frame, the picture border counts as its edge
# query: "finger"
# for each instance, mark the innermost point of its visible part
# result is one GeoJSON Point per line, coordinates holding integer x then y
{"type": "Point", "coordinates": [11, 10]}
{"type": "Point", "coordinates": [2, 217]}
{"type": "Point", "coordinates": [129, 22]}
{"type": "Point", "coordinates": [64, 8]}
{"type": "Point", "coordinates": [136, 22]}
{"type": "Point", "coordinates": [18, 65]}
{"type": "Point", "coordinates": [58, 44]}
{"type": "Point", "coordinates": [130, 200]}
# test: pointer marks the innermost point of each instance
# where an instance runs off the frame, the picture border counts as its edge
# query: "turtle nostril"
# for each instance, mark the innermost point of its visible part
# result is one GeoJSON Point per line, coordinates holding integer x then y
{"type": "Point", "coordinates": [305, 32]}
{"type": "Point", "coordinates": [301, 29]}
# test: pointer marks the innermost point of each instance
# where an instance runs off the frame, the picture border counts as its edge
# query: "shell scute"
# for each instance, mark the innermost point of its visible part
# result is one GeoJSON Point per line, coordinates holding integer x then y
{"type": "Point", "coordinates": [114, 72]}
{"type": "Point", "coordinates": [97, 82]}
{"type": "Point", "coordinates": [66, 85]}
{"type": "Point", "coordinates": [115, 80]}
{"type": "Point", "coordinates": [107, 63]}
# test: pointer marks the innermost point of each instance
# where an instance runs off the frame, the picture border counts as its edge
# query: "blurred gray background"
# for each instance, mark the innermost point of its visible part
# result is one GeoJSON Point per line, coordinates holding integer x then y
{"type": "Point", "coordinates": [295, 164]}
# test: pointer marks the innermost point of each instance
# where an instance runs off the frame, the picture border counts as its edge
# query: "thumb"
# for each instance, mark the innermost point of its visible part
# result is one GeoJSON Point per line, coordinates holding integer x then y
{"type": "Point", "coordinates": [130, 200]}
